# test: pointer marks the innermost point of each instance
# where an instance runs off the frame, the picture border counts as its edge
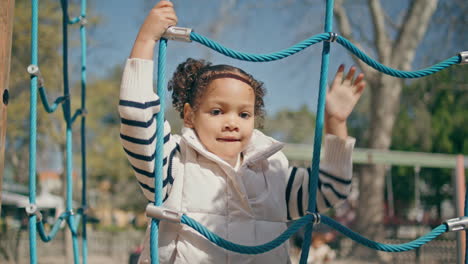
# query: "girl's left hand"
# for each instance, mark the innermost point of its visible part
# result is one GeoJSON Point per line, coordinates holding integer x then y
{"type": "Point", "coordinates": [344, 94]}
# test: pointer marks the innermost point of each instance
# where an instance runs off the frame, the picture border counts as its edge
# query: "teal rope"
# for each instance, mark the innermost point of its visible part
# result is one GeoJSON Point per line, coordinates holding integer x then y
{"type": "Point", "coordinates": [55, 228]}
{"type": "Point", "coordinates": [259, 249]}
{"type": "Point", "coordinates": [393, 72]}
{"type": "Point", "coordinates": [158, 172]}
{"type": "Point", "coordinates": [37, 226]}
{"type": "Point", "coordinates": [319, 124]}
{"type": "Point", "coordinates": [259, 57]}
{"type": "Point", "coordinates": [78, 112]}
{"type": "Point", "coordinates": [45, 101]}
{"type": "Point", "coordinates": [385, 247]}
{"type": "Point", "coordinates": [32, 132]}
{"type": "Point", "coordinates": [314, 40]}
{"type": "Point", "coordinates": [251, 250]}
{"type": "Point", "coordinates": [84, 204]}
{"type": "Point", "coordinates": [69, 136]}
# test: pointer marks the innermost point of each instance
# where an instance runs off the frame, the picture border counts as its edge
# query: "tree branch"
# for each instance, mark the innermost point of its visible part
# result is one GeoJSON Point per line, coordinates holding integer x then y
{"type": "Point", "coordinates": [382, 41]}
{"type": "Point", "coordinates": [414, 27]}
{"type": "Point", "coordinates": [345, 29]}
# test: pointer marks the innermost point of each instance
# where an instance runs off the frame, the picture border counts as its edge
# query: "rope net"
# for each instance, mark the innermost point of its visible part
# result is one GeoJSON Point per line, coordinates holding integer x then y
{"type": "Point", "coordinates": [308, 220]}
{"type": "Point", "coordinates": [73, 220]}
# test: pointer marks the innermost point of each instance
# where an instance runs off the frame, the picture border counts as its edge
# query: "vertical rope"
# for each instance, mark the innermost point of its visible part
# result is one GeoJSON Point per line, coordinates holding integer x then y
{"type": "Point", "coordinates": [159, 148]}
{"type": "Point", "coordinates": [318, 133]}
{"type": "Point", "coordinates": [68, 141]}
{"type": "Point", "coordinates": [32, 132]}
{"type": "Point", "coordinates": [84, 204]}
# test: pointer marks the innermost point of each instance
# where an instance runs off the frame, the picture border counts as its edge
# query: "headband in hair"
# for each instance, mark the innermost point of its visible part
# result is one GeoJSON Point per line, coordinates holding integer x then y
{"type": "Point", "coordinates": [229, 75]}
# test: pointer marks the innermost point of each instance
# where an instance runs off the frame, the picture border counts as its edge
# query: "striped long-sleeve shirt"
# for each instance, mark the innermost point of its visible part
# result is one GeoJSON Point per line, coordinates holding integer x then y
{"type": "Point", "coordinates": [138, 106]}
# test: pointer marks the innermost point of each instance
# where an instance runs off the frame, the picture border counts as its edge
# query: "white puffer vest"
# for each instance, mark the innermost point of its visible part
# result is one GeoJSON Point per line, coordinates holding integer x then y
{"type": "Point", "coordinates": [212, 192]}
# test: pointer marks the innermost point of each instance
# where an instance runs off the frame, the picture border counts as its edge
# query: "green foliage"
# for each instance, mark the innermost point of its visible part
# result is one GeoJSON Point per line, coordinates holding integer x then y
{"type": "Point", "coordinates": [291, 126]}
{"type": "Point", "coordinates": [48, 126]}
{"type": "Point", "coordinates": [432, 118]}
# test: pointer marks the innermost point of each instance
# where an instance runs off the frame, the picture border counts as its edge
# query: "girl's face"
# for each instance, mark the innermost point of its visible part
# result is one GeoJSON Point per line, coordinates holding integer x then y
{"type": "Point", "coordinates": [224, 119]}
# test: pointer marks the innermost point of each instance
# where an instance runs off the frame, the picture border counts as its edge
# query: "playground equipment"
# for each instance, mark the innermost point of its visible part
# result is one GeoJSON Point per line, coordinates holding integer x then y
{"type": "Point", "coordinates": [155, 210]}
{"type": "Point", "coordinates": [159, 213]}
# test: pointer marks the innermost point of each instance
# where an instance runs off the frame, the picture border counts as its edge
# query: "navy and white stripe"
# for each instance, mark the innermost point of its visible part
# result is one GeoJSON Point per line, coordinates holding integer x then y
{"type": "Point", "coordinates": [331, 189]}
{"type": "Point", "coordinates": [138, 137]}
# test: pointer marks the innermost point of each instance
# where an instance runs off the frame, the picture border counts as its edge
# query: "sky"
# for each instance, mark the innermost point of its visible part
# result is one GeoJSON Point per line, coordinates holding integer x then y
{"type": "Point", "coordinates": [261, 26]}
{"type": "Point", "coordinates": [290, 83]}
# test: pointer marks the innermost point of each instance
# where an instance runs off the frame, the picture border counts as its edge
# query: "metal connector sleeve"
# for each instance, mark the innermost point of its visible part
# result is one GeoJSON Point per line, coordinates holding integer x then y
{"type": "Point", "coordinates": [464, 57]}
{"type": "Point", "coordinates": [316, 217]}
{"type": "Point", "coordinates": [333, 37]}
{"type": "Point", "coordinates": [162, 213]}
{"type": "Point", "coordinates": [34, 71]}
{"type": "Point", "coordinates": [83, 21]}
{"type": "Point", "coordinates": [178, 33]}
{"type": "Point", "coordinates": [457, 224]}
{"type": "Point", "coordinates": [31, 209]}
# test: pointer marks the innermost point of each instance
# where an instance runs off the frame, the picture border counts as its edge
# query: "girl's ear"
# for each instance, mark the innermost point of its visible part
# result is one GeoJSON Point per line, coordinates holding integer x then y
{"type": "Point", "coordinates": [188, 115]}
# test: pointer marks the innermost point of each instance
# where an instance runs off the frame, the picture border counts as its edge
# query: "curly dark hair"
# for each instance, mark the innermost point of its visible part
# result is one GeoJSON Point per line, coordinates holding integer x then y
{"type": "Point", "coordinates": [192, 77]}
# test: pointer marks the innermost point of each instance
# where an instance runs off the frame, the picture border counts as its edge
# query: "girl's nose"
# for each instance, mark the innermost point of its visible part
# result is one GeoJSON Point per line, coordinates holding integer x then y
{"type": "Point", "coordinates": [230, 124]}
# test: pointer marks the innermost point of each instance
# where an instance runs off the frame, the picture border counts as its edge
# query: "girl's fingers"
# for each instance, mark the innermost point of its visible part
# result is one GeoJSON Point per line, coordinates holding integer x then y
{"type": "Point", "coordinates": [359, 78]}
{"type": "Point", "coordinates": [338, 77]}
{"type": "Point", "coordinates": [168, 13]}
{"type": "Point", "coordinates": [167, 10]}
{"type": "Point", "coordinates": [172, 20]}
{"type": "Point", "coordinates": [360, 88]}
{"type": "Point", "coordinates": [164, 4]}
{"type": "Point", "coordinates": [350, 75]}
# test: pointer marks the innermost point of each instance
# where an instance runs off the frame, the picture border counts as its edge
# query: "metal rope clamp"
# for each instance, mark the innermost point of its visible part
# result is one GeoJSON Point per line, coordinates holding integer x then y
{"type": "Point", "coordinates": [333, 37]}
{"type": "Point", "coordinates": [83, 112]}
{"type": "Point", "coordinates": [178, 33]}
{"type": "Point", "coordinates": [31, 209]}
{"type": "Point", "coordinates": [316, 217]}
{"type": "Point", "coordinates": [83, 210]}
{"type": "Point", "coordinates": [457, 224]}
{"type": "Point", "coordinates": [83, 21]}
{"type": "Point", "coordinates": [34, 71]}
{"type": "Point", "coordinates": [162, 213]}
{"type": "Point", "coordinates": [464, 57]}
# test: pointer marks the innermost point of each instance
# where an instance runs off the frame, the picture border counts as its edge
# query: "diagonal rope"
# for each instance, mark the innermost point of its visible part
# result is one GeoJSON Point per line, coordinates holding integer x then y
{"type": "Point", "coordinates": [393, 72]}
{"type": "Point", "coordinates": [259, 57]}
{"type": "Point", "coordinates": [259, 249]}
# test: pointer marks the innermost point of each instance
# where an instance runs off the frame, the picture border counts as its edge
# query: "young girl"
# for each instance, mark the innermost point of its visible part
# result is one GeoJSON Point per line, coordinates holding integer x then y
{"type": "Point", "coordinates": [221, 171]}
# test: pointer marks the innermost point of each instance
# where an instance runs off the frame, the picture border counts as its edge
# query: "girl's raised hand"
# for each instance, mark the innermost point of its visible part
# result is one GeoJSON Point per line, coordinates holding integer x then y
{"type": "Point", "coordinates": [158, 20]}
{"type": "Point", "coordinates": [161, 17]}
{"type": "Point", "coordinates": [344, 93]}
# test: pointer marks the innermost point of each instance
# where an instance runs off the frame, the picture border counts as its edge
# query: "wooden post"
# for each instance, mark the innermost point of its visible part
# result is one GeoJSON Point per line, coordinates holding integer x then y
{"type": "Point", "coordinates": [7, 8]}
{"type": "Point", "coordinates": [460, 203]}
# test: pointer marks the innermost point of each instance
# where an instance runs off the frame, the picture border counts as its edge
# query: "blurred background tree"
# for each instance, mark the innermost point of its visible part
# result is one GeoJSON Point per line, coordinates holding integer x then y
{"type": "Point", "coordinates": [432, 119]}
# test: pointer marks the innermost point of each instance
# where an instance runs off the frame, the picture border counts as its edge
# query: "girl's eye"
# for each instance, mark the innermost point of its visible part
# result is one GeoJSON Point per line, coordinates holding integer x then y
{"type": "Point", "coordinates": [244, 115]}
{"type": "Point", "coordinates": [215, 112]}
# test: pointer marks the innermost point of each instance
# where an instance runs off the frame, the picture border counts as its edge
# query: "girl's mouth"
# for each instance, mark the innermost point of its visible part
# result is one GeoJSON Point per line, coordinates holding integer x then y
{"type": "Point", "coordinates": [228, 139]}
